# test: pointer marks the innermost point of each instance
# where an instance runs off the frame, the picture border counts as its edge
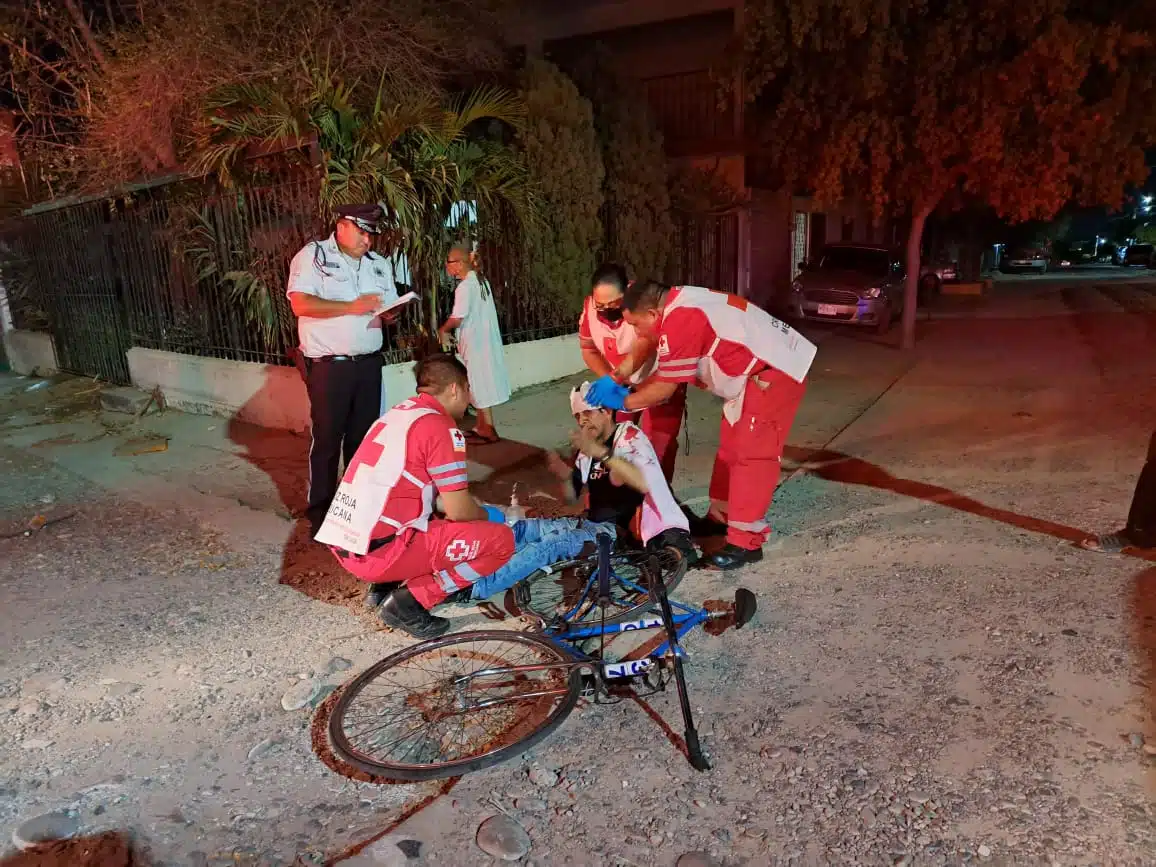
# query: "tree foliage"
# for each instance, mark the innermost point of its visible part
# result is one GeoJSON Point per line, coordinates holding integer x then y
{"type": "Point", "coordinates": [564, 159]}
{"type": "Point", "coordinates": [636, 210]}
{"type": "Point", "coordinates": [912, 103]}
{"type": "Point", "coordinates": [112, 92]}
{"type": "Point", "coordinates": [418, 159]}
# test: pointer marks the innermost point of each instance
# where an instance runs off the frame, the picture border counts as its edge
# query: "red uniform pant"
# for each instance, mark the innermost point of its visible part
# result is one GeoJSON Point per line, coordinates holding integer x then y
{"type": "Point", "coordinates": [661, 424]}
{"type": "Point", "coordinates": [446, 557]}
{"type": "Point", "coordinates": [746, 468]}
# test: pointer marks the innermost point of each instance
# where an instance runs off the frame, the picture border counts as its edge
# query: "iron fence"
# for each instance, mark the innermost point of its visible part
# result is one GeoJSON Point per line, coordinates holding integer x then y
{"type": "Point", "coordinates": [706, 251]}
{"type": "Point", "coordinates": [199, 271]}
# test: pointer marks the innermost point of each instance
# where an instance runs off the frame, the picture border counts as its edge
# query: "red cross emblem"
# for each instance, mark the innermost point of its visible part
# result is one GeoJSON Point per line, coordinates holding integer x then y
{"type": "Point", "coordinates": [457, 551]}
{"type": "Point", "coordinates": [663, 346]}
{"type": "Point", "coordinates": [368, 453]}
{"type": "Point", "coordinates": [459, 439]}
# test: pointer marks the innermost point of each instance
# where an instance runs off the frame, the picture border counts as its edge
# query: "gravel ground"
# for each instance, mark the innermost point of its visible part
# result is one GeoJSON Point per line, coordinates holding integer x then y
{"type": "Point", "coordinates": [935, 675]}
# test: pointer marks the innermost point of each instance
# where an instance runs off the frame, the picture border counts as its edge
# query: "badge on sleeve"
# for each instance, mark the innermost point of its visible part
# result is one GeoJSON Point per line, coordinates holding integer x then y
{"type": "Point", "coordinates": [663, 346]}
{"type": "Point", "coordinates": [459, 439]}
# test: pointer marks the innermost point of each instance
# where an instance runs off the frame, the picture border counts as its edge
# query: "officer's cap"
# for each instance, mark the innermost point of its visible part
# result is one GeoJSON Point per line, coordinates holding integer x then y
{"type": "Point", "coordinates": [368, 218]}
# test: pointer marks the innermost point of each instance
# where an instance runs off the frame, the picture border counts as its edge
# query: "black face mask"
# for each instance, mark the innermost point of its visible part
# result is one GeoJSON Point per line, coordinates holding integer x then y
{"type": "Point", "coordinates": [611, 316]}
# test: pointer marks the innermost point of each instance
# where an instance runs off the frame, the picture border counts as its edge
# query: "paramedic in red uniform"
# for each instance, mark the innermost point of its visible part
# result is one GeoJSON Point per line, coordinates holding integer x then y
{"type": "Point", "coordinates": [612, 347]}
{"type": "Point", "coordinates": [382, 525]}
{"type": "Point", "coordinates": [755, 363]}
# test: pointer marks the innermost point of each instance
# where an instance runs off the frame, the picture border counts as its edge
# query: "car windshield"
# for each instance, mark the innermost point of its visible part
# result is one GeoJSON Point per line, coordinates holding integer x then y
{"type": "Point", "coordinates": [861, 259]}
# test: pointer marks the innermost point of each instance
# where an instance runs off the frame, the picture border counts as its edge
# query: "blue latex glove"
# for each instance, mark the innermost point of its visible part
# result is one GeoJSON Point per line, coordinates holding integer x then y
{"type": "Point", "coordinates": [496, 515]}
{"type": "Point", "coordinates": [607, 393]}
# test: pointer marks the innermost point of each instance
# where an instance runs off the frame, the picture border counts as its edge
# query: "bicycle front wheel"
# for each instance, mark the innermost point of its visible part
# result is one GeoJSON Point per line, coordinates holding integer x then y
{"type": "Point", "coordinates": [454, 704]}
{"type": "Point", "coordinates": [569, 590]}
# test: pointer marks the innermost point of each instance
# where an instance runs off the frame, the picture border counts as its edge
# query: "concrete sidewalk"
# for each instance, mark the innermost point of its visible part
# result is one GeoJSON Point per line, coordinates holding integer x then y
{"type": "Point", "coordinates": [248, 481]}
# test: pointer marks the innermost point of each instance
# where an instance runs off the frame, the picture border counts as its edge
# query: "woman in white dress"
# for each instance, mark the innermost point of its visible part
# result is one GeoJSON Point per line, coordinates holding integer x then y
{"type": "Point", "coordinates": [479, 339]}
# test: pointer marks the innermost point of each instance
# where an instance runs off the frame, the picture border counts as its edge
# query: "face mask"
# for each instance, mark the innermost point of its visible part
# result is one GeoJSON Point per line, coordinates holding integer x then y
{"type": "Point", "coordinates": [611, 316]}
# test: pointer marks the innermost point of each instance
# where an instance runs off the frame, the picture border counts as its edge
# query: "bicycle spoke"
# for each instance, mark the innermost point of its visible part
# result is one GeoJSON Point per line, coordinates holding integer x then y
{"type": "Point", "coordinates": [455, 702]}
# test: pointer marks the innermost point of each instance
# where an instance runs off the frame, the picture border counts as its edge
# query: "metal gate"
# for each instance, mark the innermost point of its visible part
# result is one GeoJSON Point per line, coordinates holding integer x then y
{"type": "Point", "coordinates": [77, 273]}
{"type": "Point", "coordinates": [707, 251]}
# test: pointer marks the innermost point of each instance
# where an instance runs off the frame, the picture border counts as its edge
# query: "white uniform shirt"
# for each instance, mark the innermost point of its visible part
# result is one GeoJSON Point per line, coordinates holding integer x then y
{"type": "Point", "coordinates": [321, 269]}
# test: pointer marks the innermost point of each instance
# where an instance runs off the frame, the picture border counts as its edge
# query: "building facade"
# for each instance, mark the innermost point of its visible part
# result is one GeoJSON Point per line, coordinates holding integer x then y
{"type": "Point", "coordinates": [673, 46]}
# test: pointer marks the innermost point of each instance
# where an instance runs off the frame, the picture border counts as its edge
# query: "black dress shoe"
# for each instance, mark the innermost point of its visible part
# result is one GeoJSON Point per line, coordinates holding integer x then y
{"type": "Point", "coordinates": [401, 611]}
{"type": "Point", "coordinates": [376, 594]}
{"type": "Point", "coordinates": [733, 557]}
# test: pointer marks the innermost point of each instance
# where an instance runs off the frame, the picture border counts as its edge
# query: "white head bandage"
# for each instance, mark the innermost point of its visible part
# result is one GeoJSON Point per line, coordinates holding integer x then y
{"type": "Point", "coordinates": [578, 399]}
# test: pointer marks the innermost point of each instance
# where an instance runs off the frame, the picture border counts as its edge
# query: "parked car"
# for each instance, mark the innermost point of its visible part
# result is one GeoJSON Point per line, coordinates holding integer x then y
{"type": "Point", "coordinates": [858, 284]}
{"type": "Point", "coordinates": [1020, 259]}
{"type": "Point", "coordinates": [932, 277]}
{"type": "Point", "coordinates": [1134, 255]}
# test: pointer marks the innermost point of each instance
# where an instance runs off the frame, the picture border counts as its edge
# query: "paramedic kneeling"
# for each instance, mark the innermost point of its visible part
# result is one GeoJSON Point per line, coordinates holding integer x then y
{"type": "Point", "coordinates": [755, 363]}
{"type": "Point", "coordinates": [381, 524]}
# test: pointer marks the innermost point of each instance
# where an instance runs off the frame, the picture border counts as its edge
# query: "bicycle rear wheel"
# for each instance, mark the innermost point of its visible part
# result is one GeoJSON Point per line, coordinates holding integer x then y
{"type": "Point", "coordinates": [454, 704]}
{"type": "Point", "coordinates": [569, 591]}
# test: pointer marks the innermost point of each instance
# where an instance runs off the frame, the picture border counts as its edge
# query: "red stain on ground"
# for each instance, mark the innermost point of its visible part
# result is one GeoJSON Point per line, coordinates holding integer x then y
{"type": "Point", "coordinates": [103, 850]}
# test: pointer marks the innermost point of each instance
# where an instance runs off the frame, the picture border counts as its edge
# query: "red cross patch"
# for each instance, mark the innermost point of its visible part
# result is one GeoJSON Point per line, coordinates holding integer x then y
{"type": "Point", "coordinates": [663, 346]}
{"type": "Point", "coordinates": [458, 550]}
{"type": "Point", "coordinates": [459, 439]}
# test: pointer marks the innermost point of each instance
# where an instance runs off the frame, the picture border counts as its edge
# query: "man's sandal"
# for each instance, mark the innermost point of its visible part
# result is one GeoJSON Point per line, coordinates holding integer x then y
{"type": "Point", "coordinates": [1112, 543]}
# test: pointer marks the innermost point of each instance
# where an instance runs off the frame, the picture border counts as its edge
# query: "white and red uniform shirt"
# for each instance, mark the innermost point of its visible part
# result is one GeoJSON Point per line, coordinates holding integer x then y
{"type": "Point", "coordinates": [608, 502]}
{"type": "Point", "coordinates": [719, 340]}
{"type": "Point", "coordinates": [612, 342]}
{"type": "Point", "coordinates": [410, 454]}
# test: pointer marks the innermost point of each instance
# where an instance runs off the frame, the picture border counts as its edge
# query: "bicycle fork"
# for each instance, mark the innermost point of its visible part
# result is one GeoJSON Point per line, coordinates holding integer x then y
{"type": "Point", "coordinates": [698, 759]}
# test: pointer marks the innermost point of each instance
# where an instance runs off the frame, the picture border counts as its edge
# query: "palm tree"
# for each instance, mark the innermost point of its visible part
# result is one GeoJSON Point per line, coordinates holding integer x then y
{"type": "Point", "coordinates": [417, 159]}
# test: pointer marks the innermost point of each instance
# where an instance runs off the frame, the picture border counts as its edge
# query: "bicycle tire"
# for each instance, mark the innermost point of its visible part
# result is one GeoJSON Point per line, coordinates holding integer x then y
{"type": "Point", "coordinates": [347, 753]}
{"type": "Point", "coordinates": [671, 579]}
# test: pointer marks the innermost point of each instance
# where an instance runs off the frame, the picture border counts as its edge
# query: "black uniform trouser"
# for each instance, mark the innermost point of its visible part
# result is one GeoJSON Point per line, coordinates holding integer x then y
{"type": "Point", "coordinates": [1141, 526]}
{"type": "Point", "coordinates": [344, 402]}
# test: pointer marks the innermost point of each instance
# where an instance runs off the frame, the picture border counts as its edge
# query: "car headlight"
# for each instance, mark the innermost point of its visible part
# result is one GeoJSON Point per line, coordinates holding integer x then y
{"type": "Point", "coordinates": [796, 286]}
{"type": "Point", "coordinates": [873, 292]}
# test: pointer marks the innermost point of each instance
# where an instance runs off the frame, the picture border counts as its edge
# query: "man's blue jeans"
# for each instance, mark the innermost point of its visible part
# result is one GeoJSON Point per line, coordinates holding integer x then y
{"type": "Point", "coordinates": [539, 542]}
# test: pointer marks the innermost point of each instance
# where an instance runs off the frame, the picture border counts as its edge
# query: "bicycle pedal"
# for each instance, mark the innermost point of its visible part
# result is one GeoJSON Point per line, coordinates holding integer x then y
{"type": "Point", "coordinates": [522, 596]}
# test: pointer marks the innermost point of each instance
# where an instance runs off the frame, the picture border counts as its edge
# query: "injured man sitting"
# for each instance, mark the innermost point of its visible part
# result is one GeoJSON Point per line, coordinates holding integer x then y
{"type": "Point", "coordinates": [617, 467]}
{"type": "Point", "coordinates": [383, 528]}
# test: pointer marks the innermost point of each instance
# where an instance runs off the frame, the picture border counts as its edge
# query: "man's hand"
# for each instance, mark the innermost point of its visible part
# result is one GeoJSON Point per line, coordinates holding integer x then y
{"type": "Point", "coordinates": [390, 316]}
{"type": "Point", "coordinates": [460, 506]}
{"type": "Point", "coordinates": [558, 466]}
{"type": "Point", "coordinates": [607, 393]}
{"type": "Point", "coordinates": [446, 341]}
{"type": "Point", "coordinates": [368, 303]}
{"type": "Point", "coordinates": [589, 446]}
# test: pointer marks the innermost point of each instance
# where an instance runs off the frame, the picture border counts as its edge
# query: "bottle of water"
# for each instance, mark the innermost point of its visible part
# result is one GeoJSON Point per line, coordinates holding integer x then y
{"type": "Point", "coordinates": [514, 512]}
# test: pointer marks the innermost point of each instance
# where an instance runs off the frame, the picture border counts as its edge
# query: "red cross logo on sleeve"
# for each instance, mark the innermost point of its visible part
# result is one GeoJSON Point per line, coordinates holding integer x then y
{"type": "Point", "coordinates": [457, 551]}
{"type": "Point", "coordinates": [368, 453]}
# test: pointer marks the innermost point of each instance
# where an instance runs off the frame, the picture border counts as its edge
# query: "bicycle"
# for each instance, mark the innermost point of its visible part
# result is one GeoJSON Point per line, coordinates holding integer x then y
{"type": "Point", "coordinates": [505, 704]}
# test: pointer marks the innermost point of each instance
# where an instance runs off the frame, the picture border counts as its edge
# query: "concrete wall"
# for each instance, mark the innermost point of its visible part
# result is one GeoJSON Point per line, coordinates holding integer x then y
{"type": "Point", "coordinates": [30, 352]}
{"type": "Point", "coordinates": [274, 396]}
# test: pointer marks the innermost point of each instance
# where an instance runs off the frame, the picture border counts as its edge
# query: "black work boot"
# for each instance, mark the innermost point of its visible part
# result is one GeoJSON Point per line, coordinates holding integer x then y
{"type": "Point", "coordinates": [401, 611]}
{"type": "Point", "coordinates": [731, 556]}
{"type": "Point", "coordinates": [376, 594]}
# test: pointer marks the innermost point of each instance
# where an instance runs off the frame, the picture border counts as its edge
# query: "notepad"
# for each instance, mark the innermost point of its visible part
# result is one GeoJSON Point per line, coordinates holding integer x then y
{"type": "Point", "coordinates": [404, 299]}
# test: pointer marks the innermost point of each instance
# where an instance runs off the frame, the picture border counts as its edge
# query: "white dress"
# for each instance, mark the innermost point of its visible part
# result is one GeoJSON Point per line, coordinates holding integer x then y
{"type": "Point", "coordinates": [480, 342]}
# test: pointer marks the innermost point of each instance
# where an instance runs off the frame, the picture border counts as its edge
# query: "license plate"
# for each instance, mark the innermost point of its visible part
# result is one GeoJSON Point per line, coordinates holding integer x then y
{"type": "Point", "coordinates": [828, 310]}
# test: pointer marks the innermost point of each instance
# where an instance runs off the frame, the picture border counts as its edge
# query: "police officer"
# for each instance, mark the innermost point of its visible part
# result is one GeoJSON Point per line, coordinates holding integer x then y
{"type": "Point", "coordinates": [337, 288]}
